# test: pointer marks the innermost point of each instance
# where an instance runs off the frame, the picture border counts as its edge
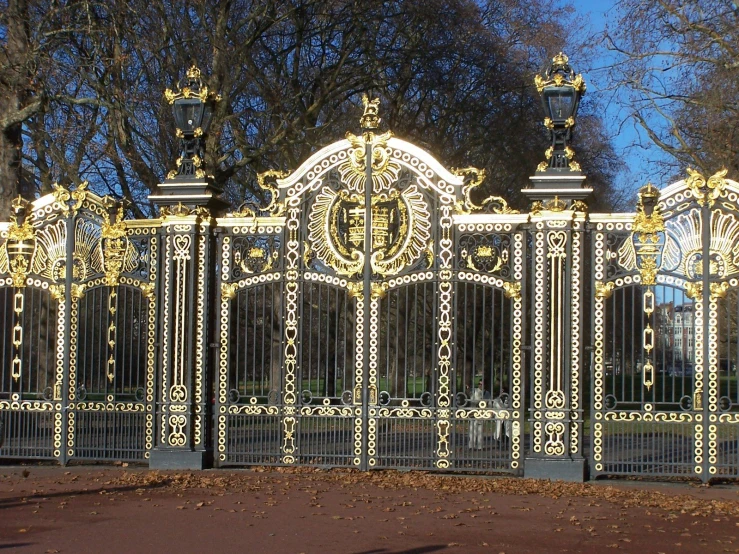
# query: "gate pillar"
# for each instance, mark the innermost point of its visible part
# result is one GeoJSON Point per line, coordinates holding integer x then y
{"type": "Point", "coordinates": [557, 228]}
{"type": "Point", "coordinates": [183, 401]}
{"type": "Point", "coordinates": [187, 203]}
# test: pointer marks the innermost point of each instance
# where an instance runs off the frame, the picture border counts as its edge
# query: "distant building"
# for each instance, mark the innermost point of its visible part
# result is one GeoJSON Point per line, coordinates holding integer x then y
{"type": "Point", "coordinates": [675, 333]}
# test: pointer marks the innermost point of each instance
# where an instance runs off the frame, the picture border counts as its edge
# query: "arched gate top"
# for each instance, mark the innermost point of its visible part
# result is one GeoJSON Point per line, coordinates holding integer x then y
{"type": "Point", "coordinates": [390, 155]}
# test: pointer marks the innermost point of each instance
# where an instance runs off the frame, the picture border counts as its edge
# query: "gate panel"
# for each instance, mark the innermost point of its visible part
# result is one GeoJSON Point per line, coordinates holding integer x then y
{"type": "Point", "coordinates": [80, 372]}
{"type": "Point", "coordinates": [726, 433]}
{"type": "Point", "coordinates": [112, 375]}
{"type": "Point", "coordinates": [251, 347]}
{"type": "Point", "coordinates": [29, 391]}
{"type": "Point", "coordinates": [326, 376]}
{"type": "Point", "coordinates": [112, 334]}
{"type": "Point", "coordinates": [406, 432]}
{"type": "Point", "coordinates": [646, 429]}
{"type": "Point", "coordinates": [488, 386]}
{"type": "Point", "coordinates": [34, 256]}
{"type": "Point", "coordinates": [666, 277]}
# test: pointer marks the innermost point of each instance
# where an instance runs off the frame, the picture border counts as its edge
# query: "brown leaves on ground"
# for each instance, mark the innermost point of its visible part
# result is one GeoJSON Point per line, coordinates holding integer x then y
{"type": "Point", "coordinates": [261, 478]}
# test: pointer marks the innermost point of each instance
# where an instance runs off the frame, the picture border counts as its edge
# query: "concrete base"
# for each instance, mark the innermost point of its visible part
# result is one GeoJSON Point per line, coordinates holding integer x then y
{"type": "Point", "coordinates": [556, 469]}
{"type": "Point", "coordinates": [177, 459]}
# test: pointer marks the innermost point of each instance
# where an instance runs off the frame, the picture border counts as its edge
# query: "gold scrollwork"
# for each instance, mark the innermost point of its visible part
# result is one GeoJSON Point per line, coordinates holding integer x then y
{"type": "Point", "coordinates": [405, 412]}
{"type": "Point", "coordinates": [555, 431]}
{"type": "Point", "coordinates": [288, 438]}
{"type": "Point", "coordinates": [694, 290]}
{"type": "Point", "coordinates": [353, 169]}
{"type": "Point", "coordinates": [148, 290]}
{"type": "Point", "coordinates": [429, 253]}
{"type": "Point", "coordinates": [512, 290]}
{"type": "Point", "coordinates": [177, 424]}
{"type": "Point", "coordinates": [681, 417]}
{"type": "Point", "coordinates": [327, 411]}
{"type": "Point", "coordinates": [128, 407]}
{"type": "Point", "coordinates": [265, 180]}
{"type": "Point", "coordinates": [254, 409]}
{"type": "Point", "coordinates": [64, 195]}
{"type": "Point", "coordinates": [603, 291]}
{"type": "Point", "coordinates": [719, 290]}
{"type": "Point", "coordinates": [706, 191]}
{"type": "Point", "coordinates": [475, 177]}
{"type": "Point", "coordinates": [228, 290]}
{"type": "Point", "coordinates": [201, 92]}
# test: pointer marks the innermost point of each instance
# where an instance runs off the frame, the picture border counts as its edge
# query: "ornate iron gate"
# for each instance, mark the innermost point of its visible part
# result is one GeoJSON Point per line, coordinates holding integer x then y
{"type": "Point", "coordinates": [373, 315]}
{"type": "Point", "coordinates": [664, 382]}
{"type": "Point", "coordinates": [78, 363]}
{"type": "Point", "coordinates": [335, 354]}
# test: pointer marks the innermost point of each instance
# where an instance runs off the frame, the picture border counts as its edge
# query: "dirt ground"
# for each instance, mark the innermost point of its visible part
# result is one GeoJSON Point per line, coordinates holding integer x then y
{"type": "Point", "coordinates": [46, 509]}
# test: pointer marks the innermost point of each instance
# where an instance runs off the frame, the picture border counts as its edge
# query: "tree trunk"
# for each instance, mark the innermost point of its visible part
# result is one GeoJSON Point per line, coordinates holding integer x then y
{"type": "Point", "coordinates": [13, 84]}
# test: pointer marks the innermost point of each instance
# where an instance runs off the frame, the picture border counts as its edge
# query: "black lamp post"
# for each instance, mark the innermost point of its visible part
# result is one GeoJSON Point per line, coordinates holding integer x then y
{"type": "Point", "coordinates": [560, 91]}
{"type": "Point", "coordinates": [192, 105]}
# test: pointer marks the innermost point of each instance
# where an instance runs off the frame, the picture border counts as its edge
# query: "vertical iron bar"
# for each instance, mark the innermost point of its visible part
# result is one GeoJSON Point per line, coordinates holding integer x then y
{"type": "Point", "coordinates": [706, 298]}
{"type": "Point", "coordinates": [254, 331]}
{"type": "Point", "coordinates": [366, 292]}
{"type": "Point", "coordinates": [68, 276]}
{"type": "Point", "coordinates": [340, 325]}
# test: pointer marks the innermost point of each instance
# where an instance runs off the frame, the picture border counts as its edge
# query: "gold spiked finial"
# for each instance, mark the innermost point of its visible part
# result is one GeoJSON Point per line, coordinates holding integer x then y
{"type": "Point", "coordinates": [19, 205]}
{"type": "Point", "coordinates": [371, 116]}
{"type": "Point", "coordinates": [648, 199]}
{"type": "Point", "coordinates": [648, 192]}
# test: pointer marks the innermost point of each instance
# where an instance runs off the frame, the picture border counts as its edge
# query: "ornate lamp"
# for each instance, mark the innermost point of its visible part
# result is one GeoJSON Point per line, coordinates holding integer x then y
{"type": "Point", "coordinates": [561, 90]}
{"type": "Point", "coordinates": [21, 243]}
{"type": "Point", "coordinates": [192, 105]}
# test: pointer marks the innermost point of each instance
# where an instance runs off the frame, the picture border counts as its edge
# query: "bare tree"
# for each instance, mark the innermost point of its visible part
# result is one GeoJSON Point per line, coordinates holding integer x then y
{"type": "Point", "coordinates": [679, 63]}
{"type": "Point", "coordinates": [82, 87]}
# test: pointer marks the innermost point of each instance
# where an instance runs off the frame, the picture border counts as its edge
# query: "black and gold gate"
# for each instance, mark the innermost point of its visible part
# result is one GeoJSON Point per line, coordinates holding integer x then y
{"type": "Point", "coordinates": [369, 319]}
{"type": "Point", "coordinates": [372, 314]}
{"type": "Point", "coordinates": [77, 297]}
{"type": "Point", "coordinates": [665, 393]}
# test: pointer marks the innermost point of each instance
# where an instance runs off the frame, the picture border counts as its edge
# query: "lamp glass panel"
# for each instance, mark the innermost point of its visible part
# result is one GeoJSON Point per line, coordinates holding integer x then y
{"type": "Point", "coordinates": [207, 113]}
{"type": "Point", "coordinates": [188, 113]}
{"type": "Point", "coordinates": [560, 105]}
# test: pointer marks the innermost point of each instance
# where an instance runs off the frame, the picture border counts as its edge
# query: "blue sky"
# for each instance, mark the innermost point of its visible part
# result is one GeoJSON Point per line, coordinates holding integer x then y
{"type": "Point", "coordinates": [640, 160]}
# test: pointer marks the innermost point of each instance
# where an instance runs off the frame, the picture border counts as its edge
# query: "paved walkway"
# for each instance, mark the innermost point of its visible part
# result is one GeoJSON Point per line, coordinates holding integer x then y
{"type": "Point", "coordinates": [122, 510]}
